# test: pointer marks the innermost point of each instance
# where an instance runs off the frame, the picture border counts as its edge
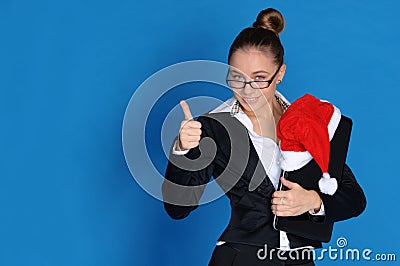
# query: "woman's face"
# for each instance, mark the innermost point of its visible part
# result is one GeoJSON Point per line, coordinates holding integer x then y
{"type": "Point", "coordinates": [252, 64]}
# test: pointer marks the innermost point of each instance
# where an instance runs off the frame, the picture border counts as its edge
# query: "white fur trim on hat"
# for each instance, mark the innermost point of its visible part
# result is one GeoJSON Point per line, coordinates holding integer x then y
{"type": "Point", "coordinates": [293, 160]}
{"type": "Point", "coordinates": [334, 122]}
{"type": "Point", "coordinates": [327, 184]}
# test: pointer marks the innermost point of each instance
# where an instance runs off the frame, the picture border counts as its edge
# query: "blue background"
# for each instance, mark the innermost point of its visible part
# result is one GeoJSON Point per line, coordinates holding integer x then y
{"type": "Point", "coordinates": [68, 70]}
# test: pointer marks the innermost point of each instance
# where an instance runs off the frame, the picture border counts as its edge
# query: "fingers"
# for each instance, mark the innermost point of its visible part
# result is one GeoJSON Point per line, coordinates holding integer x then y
{"type": "Point", "coordinates": [186, 110]}
{"type": "Point", "coordinates": [292, 202]}
{"type": "Point", "coordinates": [191, 124]}
{"type": "Point", "coordinates": [190, 130]}
{"type": "Point", "coordinates": [284, 210]}
{"type": "Point", "coordinates": [189, 138]}
{"type": "Point", "coordinates": [280, 194]}
{"type": "Point", "coordinates": [279, 201]}
{"type": "Point", "coordinates": [283, 213]}
{"type": "Point", "coordinates": [189, 145]}
{"type": "Point", "coordinates": [278, 207]}
{"type": "Point", "coordinates": [289, 184]}
{"type": "Point", "coordinates": [282, 198]}
{"type": "Point", "coordinates": [283, 207]}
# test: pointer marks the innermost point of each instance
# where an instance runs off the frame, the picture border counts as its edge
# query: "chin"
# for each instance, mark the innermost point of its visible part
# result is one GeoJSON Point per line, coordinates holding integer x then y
{"type": "Point", "coordinates": [252, 107]}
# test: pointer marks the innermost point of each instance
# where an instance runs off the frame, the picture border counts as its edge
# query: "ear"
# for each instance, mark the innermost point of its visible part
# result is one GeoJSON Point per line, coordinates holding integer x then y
{"type": "Point", "coordinates": [282, 71]}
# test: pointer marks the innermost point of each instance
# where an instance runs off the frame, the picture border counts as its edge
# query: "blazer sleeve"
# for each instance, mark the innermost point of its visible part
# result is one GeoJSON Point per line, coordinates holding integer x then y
{"type": "Point", "coordinates": [189, 195]}
{"type": "Point", "coordinates": [347, 202]}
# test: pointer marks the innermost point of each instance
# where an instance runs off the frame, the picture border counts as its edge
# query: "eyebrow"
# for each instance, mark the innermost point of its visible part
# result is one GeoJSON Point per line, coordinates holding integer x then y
{"type": "Point", "coordinates": [256, 72]}
{"type": "Point", "coordinates": [261, 71]}
{"type": "Point", "coordinates": [236, 71]}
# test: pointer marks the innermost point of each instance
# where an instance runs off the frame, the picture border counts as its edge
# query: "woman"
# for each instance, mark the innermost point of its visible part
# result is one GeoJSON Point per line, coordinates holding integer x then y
{"type": "Point", "coordinates": [256, 67]}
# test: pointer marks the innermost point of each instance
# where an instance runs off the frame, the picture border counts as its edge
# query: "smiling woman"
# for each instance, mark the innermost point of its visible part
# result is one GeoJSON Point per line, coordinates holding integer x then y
{"type": "Point", "coordinates": [256, 60]}
{"type": "Point", "coordinates": [257, 99]}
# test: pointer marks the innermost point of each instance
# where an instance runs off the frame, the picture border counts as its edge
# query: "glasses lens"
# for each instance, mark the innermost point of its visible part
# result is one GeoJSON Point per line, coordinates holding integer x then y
{"type": "Point", "coordinates": [235, 84]}
{"type": "Point", "coordinates": [259, 84]}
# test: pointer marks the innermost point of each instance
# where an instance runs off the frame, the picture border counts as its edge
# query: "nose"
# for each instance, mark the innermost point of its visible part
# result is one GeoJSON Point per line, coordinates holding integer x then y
{"type": "Point", "coordinates": [247, 90]}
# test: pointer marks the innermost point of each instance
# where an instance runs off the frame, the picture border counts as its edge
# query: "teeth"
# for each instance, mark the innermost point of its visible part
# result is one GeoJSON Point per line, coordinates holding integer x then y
{"type": "Point", "coordinates": [250, 99]}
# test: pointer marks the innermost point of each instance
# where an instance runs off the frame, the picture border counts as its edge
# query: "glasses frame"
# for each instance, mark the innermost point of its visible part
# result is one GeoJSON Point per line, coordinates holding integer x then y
{"type": "Point", "coordinates": [244, 83]}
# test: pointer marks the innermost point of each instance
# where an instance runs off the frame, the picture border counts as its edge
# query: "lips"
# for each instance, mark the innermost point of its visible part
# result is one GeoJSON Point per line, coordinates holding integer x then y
{"type": "Point", "coordinates": [251, 100]}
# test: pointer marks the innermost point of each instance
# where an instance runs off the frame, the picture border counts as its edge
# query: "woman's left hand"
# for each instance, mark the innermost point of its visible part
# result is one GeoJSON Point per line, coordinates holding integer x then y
{"type": "Point", "coordinates": [294, 201]}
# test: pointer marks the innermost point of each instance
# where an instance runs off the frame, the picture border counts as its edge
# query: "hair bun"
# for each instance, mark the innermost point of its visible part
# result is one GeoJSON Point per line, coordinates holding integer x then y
{"type": "Point", "coordinates": [270, 19]}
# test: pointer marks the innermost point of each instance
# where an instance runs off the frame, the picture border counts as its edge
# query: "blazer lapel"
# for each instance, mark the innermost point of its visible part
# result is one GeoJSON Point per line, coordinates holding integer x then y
{"type": "Point", "coordinates": [254, 169]}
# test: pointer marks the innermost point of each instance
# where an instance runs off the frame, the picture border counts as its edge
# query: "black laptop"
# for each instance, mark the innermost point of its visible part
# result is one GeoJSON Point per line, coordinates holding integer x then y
{"type": "Point", "coordinates": [308, 177]}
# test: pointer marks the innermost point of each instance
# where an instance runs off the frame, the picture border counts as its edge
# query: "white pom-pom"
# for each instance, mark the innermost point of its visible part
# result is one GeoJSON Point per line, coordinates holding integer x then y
{"type": "Point", "coordinates": [328, 185]}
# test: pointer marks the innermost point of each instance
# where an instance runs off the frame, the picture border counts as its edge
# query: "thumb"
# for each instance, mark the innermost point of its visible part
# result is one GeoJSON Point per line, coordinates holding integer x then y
{"type": "Point", "coordinates": [289, 184]}
{"type": "Point", "coordinates": [186, 110]}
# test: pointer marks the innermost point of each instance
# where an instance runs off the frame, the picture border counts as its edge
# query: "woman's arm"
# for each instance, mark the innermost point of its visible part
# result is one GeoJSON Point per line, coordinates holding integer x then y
{"type": "Point", "coordinates": [193, 181]}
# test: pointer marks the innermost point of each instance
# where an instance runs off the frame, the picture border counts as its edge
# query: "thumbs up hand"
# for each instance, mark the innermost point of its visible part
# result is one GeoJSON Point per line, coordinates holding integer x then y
{"type": "Point", "coordinates": [190, 130]}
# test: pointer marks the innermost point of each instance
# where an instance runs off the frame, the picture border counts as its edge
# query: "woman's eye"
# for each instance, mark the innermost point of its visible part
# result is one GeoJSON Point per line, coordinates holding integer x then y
{"type": "Point", "coordinates": [237, 77]}
{"type": "Point", "coordinates": [259, 78]}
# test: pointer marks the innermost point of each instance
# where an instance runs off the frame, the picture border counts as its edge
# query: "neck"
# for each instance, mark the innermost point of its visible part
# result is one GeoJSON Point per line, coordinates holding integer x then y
{"type": "Point", "coordinates": [261, 112]}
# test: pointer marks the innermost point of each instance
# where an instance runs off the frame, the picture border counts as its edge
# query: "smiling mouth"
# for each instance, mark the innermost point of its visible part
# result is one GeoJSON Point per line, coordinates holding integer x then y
{"type": "Point", "coordinates": [250, 99]}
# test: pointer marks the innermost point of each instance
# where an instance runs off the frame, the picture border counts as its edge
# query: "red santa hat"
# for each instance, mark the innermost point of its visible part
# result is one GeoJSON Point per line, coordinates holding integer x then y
{"type": "Point", "coordinates": [305, 131]}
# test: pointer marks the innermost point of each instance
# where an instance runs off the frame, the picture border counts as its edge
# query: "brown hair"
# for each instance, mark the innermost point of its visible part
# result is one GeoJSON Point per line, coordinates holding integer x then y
{"type": "Point", "coordinates": [263, 35]}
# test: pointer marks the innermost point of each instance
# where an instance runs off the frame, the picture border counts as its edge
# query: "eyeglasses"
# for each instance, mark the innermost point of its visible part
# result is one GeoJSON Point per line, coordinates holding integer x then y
{"type": "Point", "coordinates": [240, 83]}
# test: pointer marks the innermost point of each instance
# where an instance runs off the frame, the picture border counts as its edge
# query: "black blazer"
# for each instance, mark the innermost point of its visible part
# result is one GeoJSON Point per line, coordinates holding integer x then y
{"type": "Point", "coordinates": [234, 164]}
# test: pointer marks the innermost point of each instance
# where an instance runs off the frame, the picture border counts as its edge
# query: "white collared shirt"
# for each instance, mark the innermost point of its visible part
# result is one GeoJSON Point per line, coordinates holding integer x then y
{"type": "Point", "coordinates": [268, 152]}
